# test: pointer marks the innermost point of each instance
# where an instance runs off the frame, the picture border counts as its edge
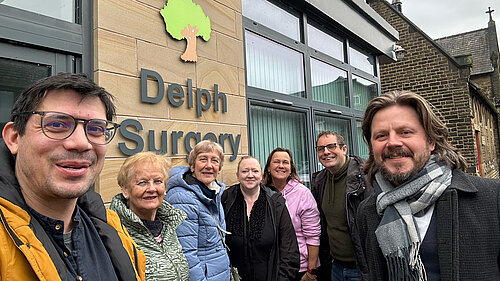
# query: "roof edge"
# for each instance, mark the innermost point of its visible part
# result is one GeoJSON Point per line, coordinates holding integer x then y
{"type": "Point", "coordinates": [427, 37]}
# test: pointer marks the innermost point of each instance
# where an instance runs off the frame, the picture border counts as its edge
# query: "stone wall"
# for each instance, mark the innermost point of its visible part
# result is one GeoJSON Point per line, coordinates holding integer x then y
{"type": "Point", "coordinates": [130, 35]}
{"type": "Point", "coordinates": [486, 128]}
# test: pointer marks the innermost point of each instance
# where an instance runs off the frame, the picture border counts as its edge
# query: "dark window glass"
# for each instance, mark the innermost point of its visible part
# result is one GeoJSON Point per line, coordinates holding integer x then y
{"type": "Point", "coordinates": [362, 146]}
{"type": "Point", "coordinates": [15, 76]}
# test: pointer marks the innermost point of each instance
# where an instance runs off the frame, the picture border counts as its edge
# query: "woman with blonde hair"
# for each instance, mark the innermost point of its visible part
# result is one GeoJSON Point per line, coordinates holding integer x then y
{"type": "Point", "coordinates": [148, 218]}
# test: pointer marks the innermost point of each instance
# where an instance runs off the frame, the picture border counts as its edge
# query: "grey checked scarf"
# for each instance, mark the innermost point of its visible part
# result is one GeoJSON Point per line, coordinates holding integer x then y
{"type": "Point", "coordinates": [397, 233]}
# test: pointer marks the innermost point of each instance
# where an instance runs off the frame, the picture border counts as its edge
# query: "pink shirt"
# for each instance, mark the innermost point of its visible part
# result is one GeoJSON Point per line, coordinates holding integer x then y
{"type": "Point", "coordinates": [305, 218]}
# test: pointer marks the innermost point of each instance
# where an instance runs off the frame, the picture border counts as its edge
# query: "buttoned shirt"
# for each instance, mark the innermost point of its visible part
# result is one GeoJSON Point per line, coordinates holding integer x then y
{"type": "Point", "coordinates": [85, 257]}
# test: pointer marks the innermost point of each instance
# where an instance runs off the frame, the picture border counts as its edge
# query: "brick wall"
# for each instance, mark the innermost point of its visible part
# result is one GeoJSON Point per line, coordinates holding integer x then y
{"type": "Point", "coordinates": [484, 83]}
{"type": "Point", "coordinates": [130, 35]}
{"type": "Point", "coordinates": [428, 72]}
{"type": "Point", "coordinates": [486, 128]}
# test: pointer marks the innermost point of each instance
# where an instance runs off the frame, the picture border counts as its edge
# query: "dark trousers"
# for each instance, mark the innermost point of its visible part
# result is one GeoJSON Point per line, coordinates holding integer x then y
{"type": "Point", "coordinates": [342, 273]}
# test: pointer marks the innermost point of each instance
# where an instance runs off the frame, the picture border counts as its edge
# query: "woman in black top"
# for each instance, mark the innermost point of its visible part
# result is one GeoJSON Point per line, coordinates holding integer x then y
{"type": "Point", "coordinates": [262, 243]}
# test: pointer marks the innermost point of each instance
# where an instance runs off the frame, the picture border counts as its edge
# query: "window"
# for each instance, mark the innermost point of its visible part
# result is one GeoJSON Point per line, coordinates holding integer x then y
{"type": "Point", "coordinates": [271, 128]}
{"type": "Point", "coordinates": [273, 67]}
{"type": "Point", "coordinates": [273, 17]}
{"type": "Point", "coordinates": [361, 60]}
{"type": "Point", "coordinates": [296, 89]}
{"type": "Point", "coordinates": [61, 26]}
{"type": "Point", "coordinates": [329, 84]}
{"type": "Point", "coordinates": [325, 43]}
{"type": "Point", "coordinates": [15, 76]}
{"type": "Point", "coordinates": [364, 91]}
{"type": "Point", "coordinates": [59, 9]}
{"type": "Point", "coordinates": [363, 151]}
{"type": "Point", "coordinates": [341, 126]}
{"type": "Point", "coordinates": [39, 39]}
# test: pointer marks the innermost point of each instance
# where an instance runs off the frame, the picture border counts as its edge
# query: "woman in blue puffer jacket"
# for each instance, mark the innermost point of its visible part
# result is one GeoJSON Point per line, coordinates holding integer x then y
{"type": "Point", "coordinates": [196, 191]}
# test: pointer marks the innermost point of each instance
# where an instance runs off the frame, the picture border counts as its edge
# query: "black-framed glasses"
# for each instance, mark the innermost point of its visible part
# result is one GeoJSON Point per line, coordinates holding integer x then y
{"type": "Point", "coordinates": [330, 146]}
{"type": "Point", "coordinates": [60, 126]}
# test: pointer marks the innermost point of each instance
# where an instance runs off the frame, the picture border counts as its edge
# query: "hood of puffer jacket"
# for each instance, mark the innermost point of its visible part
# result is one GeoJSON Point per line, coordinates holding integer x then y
{"type": "Point", "coordinates": [167, 213]}
{"type": "Point", "coordinates": [9, 186]}
{"type": "Point", "coordinates": [176, 179]}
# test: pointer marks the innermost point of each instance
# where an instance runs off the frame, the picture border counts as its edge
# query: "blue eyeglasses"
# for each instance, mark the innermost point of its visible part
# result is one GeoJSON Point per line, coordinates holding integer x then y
{"type": "Point", "coordinates": [60, 126]}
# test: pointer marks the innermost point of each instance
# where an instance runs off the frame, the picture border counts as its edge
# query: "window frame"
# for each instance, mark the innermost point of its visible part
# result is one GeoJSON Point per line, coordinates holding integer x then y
{"type": "Point", "coordinates": [21, 27]}
{"type": "Point", "coordinates": [307, 104]}
{"type": "Point", "coordinates": [295, 109]}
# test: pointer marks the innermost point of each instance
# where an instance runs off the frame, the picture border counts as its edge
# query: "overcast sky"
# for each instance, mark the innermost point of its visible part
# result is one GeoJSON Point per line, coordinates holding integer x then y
{"type": "Point", "coordinates": [440, 18]}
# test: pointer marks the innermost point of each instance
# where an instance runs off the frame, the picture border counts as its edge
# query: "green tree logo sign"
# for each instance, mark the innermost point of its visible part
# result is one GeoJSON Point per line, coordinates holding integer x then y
{"type": "Point", "coordinates": [186, 20]}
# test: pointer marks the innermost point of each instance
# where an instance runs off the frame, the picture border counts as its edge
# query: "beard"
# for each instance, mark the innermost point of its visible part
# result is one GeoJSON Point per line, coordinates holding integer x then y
{"type": "Point", "coordinates": [398, 177]}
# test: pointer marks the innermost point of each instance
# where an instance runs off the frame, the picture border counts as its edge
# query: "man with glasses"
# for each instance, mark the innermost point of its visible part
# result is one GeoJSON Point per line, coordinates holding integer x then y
{"type": "Point", "coordinates": [53, 226]}
{"type": "Point", "coordinates": [338, 190]}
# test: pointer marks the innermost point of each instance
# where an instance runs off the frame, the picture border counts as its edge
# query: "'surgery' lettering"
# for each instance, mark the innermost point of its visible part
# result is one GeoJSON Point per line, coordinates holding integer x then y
{"type": "Point", "coordinates": [130, 128]}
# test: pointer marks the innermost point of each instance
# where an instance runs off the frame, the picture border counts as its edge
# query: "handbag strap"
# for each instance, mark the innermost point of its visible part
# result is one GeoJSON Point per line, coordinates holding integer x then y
{"type": "Point", "coordinates": [227, 249]}
{"type": "Point", "coordinates": [220, 229]}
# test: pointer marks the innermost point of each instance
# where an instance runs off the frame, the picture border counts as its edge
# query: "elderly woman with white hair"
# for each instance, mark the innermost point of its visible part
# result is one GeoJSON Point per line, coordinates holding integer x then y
{"type": "Point", "coordinates": [150, 220]}
{"type": "Point", "coordinates": [196, 191]}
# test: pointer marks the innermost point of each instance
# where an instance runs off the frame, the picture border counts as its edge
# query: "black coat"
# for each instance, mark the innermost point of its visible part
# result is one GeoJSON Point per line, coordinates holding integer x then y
{"type": "Point", "coordinates": [285, 259]}
{"type": "Point", "coordinates": [468, 231]}
{"type": "Point", "coordinates": [356, 191]}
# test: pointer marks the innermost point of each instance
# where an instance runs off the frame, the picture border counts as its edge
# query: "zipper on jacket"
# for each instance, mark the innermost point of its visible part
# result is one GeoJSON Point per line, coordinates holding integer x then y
{"type": "Point", "coordinates": [10, 231]}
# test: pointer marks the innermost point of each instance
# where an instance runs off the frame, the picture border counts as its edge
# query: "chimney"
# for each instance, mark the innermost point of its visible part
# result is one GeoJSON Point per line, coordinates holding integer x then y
{"type": "Point", "coordinates": [397, 5]}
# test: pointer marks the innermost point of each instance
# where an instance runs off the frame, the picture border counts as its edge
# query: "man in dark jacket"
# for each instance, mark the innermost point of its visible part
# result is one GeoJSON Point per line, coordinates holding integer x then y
{"type": "Point", "coordinates": [53, 227]}
{"type": "Point", "coordinates": [427, 220]}
{"type": "Point", "coordinates": [338, 190]}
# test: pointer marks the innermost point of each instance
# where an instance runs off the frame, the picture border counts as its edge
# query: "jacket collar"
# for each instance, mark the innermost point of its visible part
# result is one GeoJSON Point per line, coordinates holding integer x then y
{"type": "Point", "coordinates": [355, 165]}
{"type": "Point", "coordinates": [290, 186]}
{"type": "Point", "coordinates": [176, 180]}
{"type": "Point", "coordinates": [460, 181]}
{"type": "Point", "coordinates": [170, 216]}
{"type": "Point", "coordinates": [9, 186]}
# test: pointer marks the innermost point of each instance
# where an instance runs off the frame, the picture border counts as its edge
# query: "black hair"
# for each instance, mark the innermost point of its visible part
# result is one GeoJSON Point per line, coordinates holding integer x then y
{"type": "Point", "coordinates": [31, 98]}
